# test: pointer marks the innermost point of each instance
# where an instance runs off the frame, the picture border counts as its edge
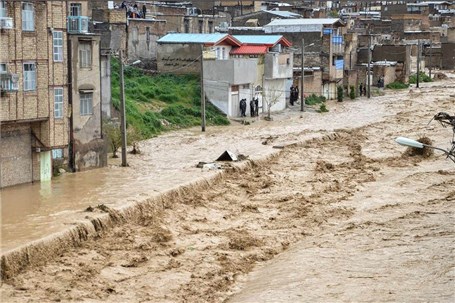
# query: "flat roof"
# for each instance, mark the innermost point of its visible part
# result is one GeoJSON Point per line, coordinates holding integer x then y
{"type": "Point", "coordinates": [215, 38]}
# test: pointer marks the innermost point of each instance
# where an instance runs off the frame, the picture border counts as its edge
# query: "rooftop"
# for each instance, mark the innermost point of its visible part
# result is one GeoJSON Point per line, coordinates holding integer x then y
{"type": "Point", "coordinates": [209, 39]}
{"type": "Point", "coordinates": [269, 40]}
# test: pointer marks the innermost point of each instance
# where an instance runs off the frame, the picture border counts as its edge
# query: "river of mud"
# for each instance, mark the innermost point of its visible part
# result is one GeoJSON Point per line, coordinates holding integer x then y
{"type": "Point", "coordinates": [342, 213]}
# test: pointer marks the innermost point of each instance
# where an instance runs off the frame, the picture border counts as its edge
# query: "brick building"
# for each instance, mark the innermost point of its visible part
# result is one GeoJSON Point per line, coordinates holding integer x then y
{"type": "Point", "coordinates": [38, 103]}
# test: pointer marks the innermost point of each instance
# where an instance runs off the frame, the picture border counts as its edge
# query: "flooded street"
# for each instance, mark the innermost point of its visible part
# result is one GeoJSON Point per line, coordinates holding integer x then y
{"type": "Point", "coordinates": [340, 214]}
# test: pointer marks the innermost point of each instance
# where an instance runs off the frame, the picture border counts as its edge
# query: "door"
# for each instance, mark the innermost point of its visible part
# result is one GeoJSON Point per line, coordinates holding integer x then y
{"type": "Point", "coordinates": [45, 166]}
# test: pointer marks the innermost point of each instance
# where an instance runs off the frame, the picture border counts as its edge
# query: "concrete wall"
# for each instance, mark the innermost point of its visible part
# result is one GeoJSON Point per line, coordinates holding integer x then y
{"type": "Point", "coordinates": [232, 71]}
{"type": "Point", "coordinates": [278, 65]}
{"type": "Point", "coordinates": [106, 95]}
{"type": "Point", "coordinates": [15, 155]}
{"type": "Point", "coordinates": [142, 37]}
{"type": "Point", "coordinates": [448, 55]}
{"type": "Point", "coordinates": [89, 148]}
{"type": "Point", "coordinates": [312, 84]}
{"type": "Point", "coordinates": [176, 58]}
{"type": "Point", "coordinates": [274, 94]}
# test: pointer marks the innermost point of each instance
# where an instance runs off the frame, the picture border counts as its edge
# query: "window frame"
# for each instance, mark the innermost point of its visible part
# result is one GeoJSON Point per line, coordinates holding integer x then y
{"type": "Point", "coordinates": [75, 9]}
{"type": "Point", "coordinates": [29, 83]}
{"type": "Point", "coordinates": [85, 54]}
{"type": "Point", "coordinates": [57, 48]}
{"type": "Point", "coordinates": [58, 102]}
{"type": "Point", "coordinates": [3, 9]}
{"type": "Point", "coordinates": [86, 109]}
{"type": "Point", "coordinates": [27, 13]}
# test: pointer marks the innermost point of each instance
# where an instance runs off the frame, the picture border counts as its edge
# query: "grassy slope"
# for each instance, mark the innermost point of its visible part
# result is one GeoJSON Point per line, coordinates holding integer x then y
{"type": "Point", "coordinates": [153, 99]}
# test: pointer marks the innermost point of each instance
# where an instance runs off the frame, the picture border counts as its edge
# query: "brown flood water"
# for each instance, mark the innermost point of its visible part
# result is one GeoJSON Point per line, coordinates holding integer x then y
{"type": "Point", "coordinates": [32, 211]}
{"type": "Point", "coordinates": [353, 210]}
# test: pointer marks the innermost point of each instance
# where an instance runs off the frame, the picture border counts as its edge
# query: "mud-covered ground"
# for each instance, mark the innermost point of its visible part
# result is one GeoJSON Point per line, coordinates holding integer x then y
{"type": "Point", "coordinates": [347, 216]}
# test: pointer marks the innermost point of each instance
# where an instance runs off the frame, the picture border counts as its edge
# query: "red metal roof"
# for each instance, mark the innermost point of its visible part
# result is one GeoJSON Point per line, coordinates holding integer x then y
{"type": "Point", "coordinates": [249, 50]}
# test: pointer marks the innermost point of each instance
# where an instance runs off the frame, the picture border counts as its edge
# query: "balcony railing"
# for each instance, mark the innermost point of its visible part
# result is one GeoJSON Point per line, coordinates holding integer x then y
{"type": "Point", "coordinates": [9, 82]}
{"type": "Point", "coordinates": [337, 44]}
{"type": "Point", "coordinates": [6, 22]}
{"type": "Point", "coordinates": [78, 24]}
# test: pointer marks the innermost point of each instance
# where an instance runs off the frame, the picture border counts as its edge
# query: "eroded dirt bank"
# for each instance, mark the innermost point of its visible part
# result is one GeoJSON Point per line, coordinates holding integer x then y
{"type": "Point", "coordinates": [348, 204]}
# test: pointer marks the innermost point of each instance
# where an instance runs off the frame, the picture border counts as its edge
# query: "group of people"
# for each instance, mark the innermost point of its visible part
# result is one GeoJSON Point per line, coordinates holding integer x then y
{"type": "Point", "coordinates": [254, 107]}
{"type": "Point", "coordinates": [133, 11]}
{"type": "Point", "coordinates": [294, 95]}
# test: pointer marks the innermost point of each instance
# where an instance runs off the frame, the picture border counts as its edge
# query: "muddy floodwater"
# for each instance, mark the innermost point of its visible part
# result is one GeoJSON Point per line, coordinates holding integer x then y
{"type": "Point", "coordinates": [340, 214]}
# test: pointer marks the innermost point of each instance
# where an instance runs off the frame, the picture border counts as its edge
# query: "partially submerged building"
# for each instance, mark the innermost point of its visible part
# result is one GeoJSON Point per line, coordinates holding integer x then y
{"type": "Point", "coordinates": [50, 91]}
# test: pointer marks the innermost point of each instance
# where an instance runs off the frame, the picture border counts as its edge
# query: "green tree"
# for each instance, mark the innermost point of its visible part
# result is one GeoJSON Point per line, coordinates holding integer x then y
{"type": "Point", "coordinates": [113, 135]}
{"type": "Point", "coordinates": [352, 92]}
{"type": "Point", "coordinates": [340, 93]}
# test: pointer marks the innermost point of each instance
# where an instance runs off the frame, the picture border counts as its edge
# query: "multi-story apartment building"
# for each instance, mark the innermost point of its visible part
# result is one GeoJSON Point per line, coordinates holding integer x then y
{"type": "Point", "coordinates": [50, 90]}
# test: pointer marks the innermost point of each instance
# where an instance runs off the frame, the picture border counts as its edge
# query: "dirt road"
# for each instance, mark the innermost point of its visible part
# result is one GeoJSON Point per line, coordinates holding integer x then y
{"type": "Point", "coordinates": [341, 217]}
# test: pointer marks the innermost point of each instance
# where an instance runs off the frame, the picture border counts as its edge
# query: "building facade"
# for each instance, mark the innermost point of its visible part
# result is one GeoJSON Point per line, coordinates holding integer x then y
{"type": "Point", "coordinates": [37, 81]}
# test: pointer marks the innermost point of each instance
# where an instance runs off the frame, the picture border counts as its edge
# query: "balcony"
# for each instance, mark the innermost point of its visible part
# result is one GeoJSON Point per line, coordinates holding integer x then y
{"type": "Point", "coordinates": [9, 82]}
{"type": "Point", "coordinates": [6, 23]}
{"type": "Point", "coordinates": [78, 24]}
{"type": "Point", "coordinates": [337, 44]}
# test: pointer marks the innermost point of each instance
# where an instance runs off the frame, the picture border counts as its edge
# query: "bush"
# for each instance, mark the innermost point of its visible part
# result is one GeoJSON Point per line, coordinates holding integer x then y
{"type": "Point", "coordinates": [323, 108]}
{"type": "Point", "coordinates": [352, 92]}
{"type": "Point", "coordinates": [397, 85]}
{"type": "Point", "coordinates": [340, 93]}
{"type": "Point", "coordinates": [313, 99]}
{"type": "Point", "coordinates": [423, 78]}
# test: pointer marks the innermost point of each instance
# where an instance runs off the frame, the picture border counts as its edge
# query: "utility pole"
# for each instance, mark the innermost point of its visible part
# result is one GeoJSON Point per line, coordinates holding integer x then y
{"type": "Point", "coordinates": [302, 95]}
{"type": "Point", "coordinates": [431, 52]}
{"type": "Point", "coordinates": [368, 66]}
{"type": "Point", "coordinates": [122, 110]}
{"type": "Point", "coordinates": [202, 89]}
{"type": "Point", "coordinates": [418, 63]}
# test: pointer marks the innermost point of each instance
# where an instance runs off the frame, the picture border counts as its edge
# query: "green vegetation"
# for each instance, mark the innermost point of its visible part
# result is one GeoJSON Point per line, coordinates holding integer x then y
{"type": "Point", "coordinates": [397, 85]}
{"type": "Point", "coordinates": [423, 78]}
{"type": "Point", "coordinates": [163, 102]}
{"type": "Point", "coordinates": [313, 99]}
{"type": "Point", "coordinates": [352, 92]}
{"type": "Point", "coordinates": [340, 93]}
{"type": "Point", "coordinates": [323, 108]}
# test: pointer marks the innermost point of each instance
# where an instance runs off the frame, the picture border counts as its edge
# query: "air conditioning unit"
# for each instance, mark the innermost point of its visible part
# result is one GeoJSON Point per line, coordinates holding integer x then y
{"type": "Point", "coordinates": [6, 22]}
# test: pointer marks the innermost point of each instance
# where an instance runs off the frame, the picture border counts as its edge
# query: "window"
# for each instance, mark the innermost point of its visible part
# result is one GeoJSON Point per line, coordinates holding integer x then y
{"type": "Point", "coordinates": [86, 104]}
{"type": "Point", "coordinates": [223, 53]}
{"type": "Point", "coordinates": [85, 54]}
{"type": "Point", "coordinates": [3, 68]}
{"type": "Point", "coordinates": [134, 35]}
{"type": "Point", "coordinates": [186, 24]}
{"type": "Point", "coordinates": [3, 11]}
{"type": "Point", "coordinates": [75, 9]}
{"type": "Point", "coordinates": [210, 26]}
{"type": "Point", "coordinates": [58, 103]}
{"type": "Point", "coordinates": [29, 76]}
{"type": "Point", "coordinates": [57, 153]}
{"type": "Point", "coordinates": [58, 45]}
{"type": "Point", "coordinates": [28, 17]}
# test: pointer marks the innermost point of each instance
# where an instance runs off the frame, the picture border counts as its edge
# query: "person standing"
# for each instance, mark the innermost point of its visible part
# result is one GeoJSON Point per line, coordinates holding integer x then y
{"type": "Point", "coordinates": [361, 89]}
{"type": "Point", "coordinates": [144, 11]}
{"type": "Point", "coordinates": [252, 110]}
{"type": "Point", "coordinates": [292, 97]}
